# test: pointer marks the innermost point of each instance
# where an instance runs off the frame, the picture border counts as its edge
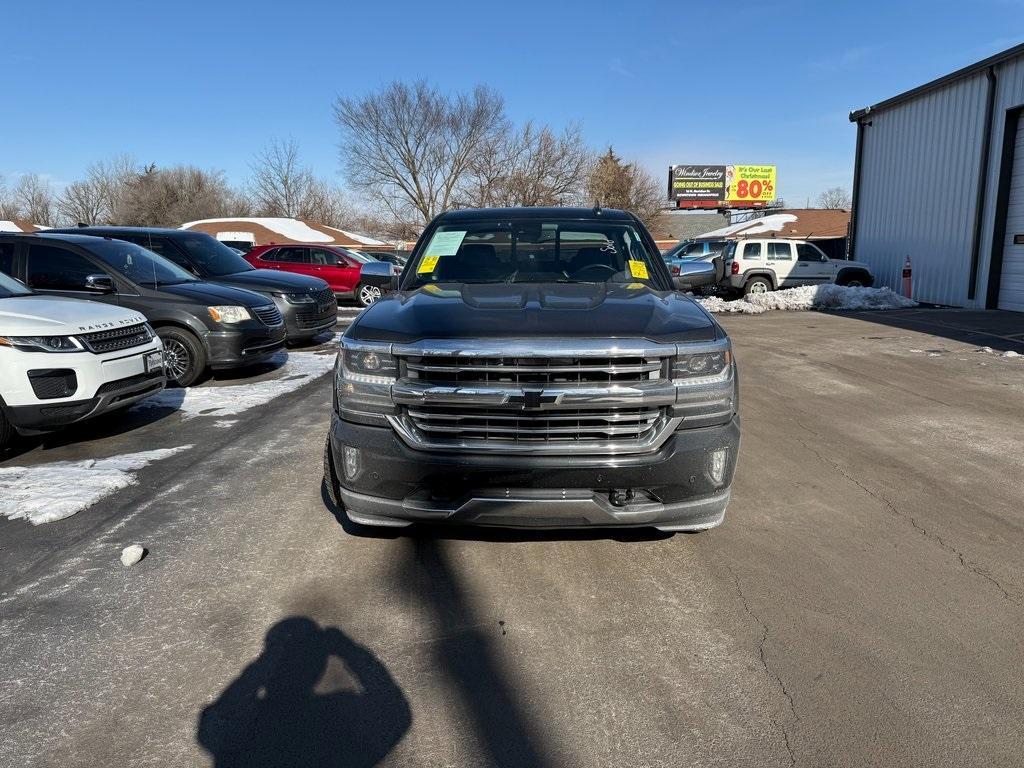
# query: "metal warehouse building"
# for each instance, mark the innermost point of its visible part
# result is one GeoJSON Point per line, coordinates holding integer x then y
{"type": "Point", "coordinates": [939, 176]}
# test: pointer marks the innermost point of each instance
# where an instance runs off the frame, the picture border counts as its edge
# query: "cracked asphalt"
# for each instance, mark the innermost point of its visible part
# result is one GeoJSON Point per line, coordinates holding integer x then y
{"type": "Point", "coordinates": [861, 605]}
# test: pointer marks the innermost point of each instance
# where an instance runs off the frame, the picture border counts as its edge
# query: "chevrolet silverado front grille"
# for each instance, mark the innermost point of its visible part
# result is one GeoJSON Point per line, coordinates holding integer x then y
{"type": "Point", "coordinates": [533, 370]}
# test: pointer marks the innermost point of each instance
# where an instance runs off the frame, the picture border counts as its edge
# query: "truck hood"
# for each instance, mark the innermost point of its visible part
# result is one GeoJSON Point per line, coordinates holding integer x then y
{"type": "Point", "coordinates": [535, 310]}
{"type": "Point", "coordinates": [59, 316]}
{"type": "Point", "coordinates": [272, 281]}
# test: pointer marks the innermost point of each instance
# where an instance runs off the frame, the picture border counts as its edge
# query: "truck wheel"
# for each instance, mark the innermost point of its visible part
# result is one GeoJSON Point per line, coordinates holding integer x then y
{"type": "Point", "coordinates": [757, 285]}
{"type": "Point", "coordinates": [367, 294]}
{"type": "Point", "coordinates": [184, 356]}
{"type": "Point", "coordinates": [6, 432]}
{"type": "Point", "coordinates": [330, 478]}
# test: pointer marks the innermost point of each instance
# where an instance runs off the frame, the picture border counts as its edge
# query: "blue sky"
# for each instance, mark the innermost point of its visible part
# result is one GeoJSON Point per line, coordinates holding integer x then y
{"type": "Point", "coordinates": [209, 83]}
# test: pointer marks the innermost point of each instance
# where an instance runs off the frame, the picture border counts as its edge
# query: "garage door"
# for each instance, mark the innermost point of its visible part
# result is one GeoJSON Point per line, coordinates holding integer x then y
{"type": "Point", "coordinates": [1011, 285]}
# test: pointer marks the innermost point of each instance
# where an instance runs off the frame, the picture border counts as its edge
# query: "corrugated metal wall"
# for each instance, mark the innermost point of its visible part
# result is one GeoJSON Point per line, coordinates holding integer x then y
{"type": "Point", "coordinates": [918, 180]}
{"type": "Point", "coordinates": [918, 185]}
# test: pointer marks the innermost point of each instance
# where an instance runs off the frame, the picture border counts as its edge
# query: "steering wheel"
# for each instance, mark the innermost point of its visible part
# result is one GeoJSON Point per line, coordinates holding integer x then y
{"type": "Point", "coordinates": [578, 272]}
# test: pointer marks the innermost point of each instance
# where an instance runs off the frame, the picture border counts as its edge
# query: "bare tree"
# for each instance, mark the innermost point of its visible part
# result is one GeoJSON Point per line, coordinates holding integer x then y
{"type": "Point", "coordinates": [530, 166]}
{"type": "Point", "coordinates": [35, 199]}
{"type": "Point", "coordinates": [282, 186]}
{"type": "Point", "coordinates": [82, 202]}
{"type": "Point", "coordinates": [409, 147]}
{"type": "Point", "coordinates": [615, 184]}
{"type": "Point", "coordinates": [835, 198]}
{"type": "Point", "coordinates": [9, 208]}
{"type": "Point", "coordinates": [168, 197]}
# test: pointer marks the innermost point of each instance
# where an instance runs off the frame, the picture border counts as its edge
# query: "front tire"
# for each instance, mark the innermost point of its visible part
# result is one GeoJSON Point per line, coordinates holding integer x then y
{"type": "Point", "coordinates": [367, 294]}
{"type": "Point", "coordinates": [756, 285]}
{"type": "Point", "coordinates": [184, 356]}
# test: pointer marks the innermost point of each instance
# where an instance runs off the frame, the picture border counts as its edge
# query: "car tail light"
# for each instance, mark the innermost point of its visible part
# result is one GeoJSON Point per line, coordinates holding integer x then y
{"type": "Point", "coordinates": [675, 269]}
{"type": "Point", "coordinates": [735, 268]}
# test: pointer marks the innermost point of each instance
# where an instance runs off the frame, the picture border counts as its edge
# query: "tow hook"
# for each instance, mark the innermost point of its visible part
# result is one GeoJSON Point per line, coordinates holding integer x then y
{"type": "Point", "coordinates": [620, 497]}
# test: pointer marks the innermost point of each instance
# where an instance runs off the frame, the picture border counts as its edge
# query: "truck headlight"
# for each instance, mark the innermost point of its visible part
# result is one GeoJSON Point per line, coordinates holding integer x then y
{"type": "Point", "coordinates": [299, 298]}
{"type": "Point", "coordinates": [701, 367]}
{"type": "Point", "coordinates": [229, 314]}
{"type": "Point", "coordinates": [42, 343]}
{"type": "Point", "coordinates": [370, 366]}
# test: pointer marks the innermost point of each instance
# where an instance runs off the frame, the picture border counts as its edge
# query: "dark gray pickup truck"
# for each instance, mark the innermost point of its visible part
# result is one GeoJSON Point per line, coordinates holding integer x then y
{"type": "Point", "coordinates": [536, 367]}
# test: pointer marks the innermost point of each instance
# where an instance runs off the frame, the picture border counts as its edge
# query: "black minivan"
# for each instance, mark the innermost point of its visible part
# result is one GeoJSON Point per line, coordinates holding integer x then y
{"type": "Point", "coordinates": [202, 325]}
{"type": "Point", "coordinates": [306, 303]}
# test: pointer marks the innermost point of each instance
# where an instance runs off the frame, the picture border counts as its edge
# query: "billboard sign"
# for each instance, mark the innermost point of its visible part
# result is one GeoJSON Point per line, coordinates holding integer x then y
{"type": "Point", "coordinates": [721, 186]}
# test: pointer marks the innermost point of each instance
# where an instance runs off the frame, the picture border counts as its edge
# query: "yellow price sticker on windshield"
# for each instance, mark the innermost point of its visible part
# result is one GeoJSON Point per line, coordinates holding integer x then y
{"type": "Point", "coordinates": [638, 270]}
{"type": "Point", "coordinates": [428, 265]}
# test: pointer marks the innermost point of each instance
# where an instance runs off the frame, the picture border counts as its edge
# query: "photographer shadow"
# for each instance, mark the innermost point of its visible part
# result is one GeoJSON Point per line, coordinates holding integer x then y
{"type": "Point", "coordinates": [292, 707]}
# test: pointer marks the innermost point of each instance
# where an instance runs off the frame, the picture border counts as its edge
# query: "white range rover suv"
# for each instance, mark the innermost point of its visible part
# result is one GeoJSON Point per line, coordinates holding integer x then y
{"type": "Point", "coordinates": [759, 265]}
{"type": "Point", "coordinates": [64, 360]}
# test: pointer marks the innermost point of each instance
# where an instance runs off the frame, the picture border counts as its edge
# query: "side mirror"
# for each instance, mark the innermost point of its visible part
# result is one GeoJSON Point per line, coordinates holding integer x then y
{"type": "Point", "coordinates": [380, 270]}
{"type": "Point", "coordinates": [99, 283]}
{"type": "Point", "coordinates": [693, 274]}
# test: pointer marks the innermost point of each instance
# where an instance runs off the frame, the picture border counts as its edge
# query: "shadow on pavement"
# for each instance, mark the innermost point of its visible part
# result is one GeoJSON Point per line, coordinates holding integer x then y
{"type": "Point", "coordinates": [483, 533]}
{"type": "Point", "coordinates": [468, 656]}
{"type": "Point", "coordinates": [276, 712]}
{"type": "Point", "coordinates": [999, 329]}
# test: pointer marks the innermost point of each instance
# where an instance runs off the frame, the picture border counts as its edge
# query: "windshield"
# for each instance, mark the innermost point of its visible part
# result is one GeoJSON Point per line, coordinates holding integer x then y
{"type": "Point", "coordinates": [534, 251]}
{"type": "Point", "coordinates": [139, 264]}
{"type": "Point", "coordinates": [212, 257]}
{"type": "Point", "coordinates": [11, 287]}
{"type": "Point", "coordinates": [362, 258]}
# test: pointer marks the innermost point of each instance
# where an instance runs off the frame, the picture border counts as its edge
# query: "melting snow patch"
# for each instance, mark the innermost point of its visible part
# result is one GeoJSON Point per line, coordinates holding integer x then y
{"type": "Point", "coordinates": [131, 555]}
{"type": "Point", "coordinates": [48, 492]}
{"type": "Point", "coordinates": [1010, 353]}
{"type": "Point", "coordinates": [299, 368]}
{"type": "Point", "coordinates": [810, 297]}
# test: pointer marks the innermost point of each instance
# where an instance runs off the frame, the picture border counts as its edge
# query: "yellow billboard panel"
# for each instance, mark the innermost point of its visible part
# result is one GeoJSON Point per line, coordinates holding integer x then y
{"type": "Point", "coordinates": [749, 183]}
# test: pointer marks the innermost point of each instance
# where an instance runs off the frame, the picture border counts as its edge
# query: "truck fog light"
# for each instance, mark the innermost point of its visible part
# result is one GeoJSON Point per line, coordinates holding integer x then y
{"type": "Point", "coordinates": [350, 461]}
{"type": "Point", "coordinates": [718, 460]}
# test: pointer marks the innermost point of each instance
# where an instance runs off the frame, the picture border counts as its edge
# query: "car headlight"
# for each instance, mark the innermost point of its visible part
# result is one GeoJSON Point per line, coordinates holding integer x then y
{"type": "Point", "coordinates": [229, 314]}
{"type": "Point", "coordinates": [299, 298]}
{"type": "Point", "coordinates": [42, 343]}
{"type": "Point", "coordinates": [370, 366]}
{"type": "Point", "coordinates": [701, 367]}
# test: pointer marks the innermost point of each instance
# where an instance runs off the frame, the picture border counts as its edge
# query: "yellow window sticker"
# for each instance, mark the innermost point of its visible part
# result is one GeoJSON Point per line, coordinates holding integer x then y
{"type": "Point", "coordinates": [427, 265]}
{"type": "Point", "coordinates": [638, 270]}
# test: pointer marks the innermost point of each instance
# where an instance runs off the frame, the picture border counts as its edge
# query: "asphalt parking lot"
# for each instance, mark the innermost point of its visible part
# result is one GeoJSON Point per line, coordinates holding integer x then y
{"type": "Point", "coordinates": [861, 605]}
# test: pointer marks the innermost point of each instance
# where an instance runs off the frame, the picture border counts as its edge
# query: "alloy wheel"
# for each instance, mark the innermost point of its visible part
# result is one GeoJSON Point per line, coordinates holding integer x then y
{"type": "Point", "coordinates": [369, 294]}
{"type": "Point", "coordinates": [176, 359]}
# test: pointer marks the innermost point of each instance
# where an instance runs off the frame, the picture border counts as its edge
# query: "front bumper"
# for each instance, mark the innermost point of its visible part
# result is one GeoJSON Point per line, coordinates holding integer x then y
{"type": "Point", "coordinates": [394, 485]}
{"type": "Point", "coordinates": [112, 396]}
{"type": "Point", "coordinates": [247, 345]}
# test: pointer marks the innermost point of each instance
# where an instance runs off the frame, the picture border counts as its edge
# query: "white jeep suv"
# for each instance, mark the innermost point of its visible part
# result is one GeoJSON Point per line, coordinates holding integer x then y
{"type": "Point", "coordinates": [64, 360]}
{"type": "Point", "coordinates": [760, 265]}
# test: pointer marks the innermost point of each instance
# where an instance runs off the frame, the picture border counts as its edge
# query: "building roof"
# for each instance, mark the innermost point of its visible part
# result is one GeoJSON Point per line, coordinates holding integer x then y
{"type": "Point", "coordinates": [20, 225]}
{"type": "Point", "coordinates": [939, 82]}
{"type": "Point", "coordinates": [798, 223]}
{"type": "Point", "coordinates": [267, 230]}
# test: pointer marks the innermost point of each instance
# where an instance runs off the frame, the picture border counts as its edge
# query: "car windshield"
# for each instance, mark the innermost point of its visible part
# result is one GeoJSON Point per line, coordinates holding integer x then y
{"type": "Point", "coordinates": [213, 257]}
{"type": "Point", "coordinates": [534, 251]}
{"type": "Point", "coordinates": [139, 264]}
{"type": "Point", "coordinates": [362, 258]}
{"type": "Point", "coordinates": [10, 287]}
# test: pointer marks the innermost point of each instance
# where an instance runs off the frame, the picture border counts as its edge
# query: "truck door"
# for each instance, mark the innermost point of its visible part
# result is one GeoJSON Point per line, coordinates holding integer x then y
{"type": "Point", "coordinates": [813, 266]}
{"type": "Point", "coordinates": [780, 261]}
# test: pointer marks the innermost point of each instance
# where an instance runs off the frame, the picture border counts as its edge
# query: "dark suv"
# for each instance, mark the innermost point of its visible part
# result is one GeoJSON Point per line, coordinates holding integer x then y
{"type": "Point", "coordinates": [537, 367]}
{"type": "Point", "coordinates": [202, 325]}
{"type": "Point", "coordinates": [306, 303]}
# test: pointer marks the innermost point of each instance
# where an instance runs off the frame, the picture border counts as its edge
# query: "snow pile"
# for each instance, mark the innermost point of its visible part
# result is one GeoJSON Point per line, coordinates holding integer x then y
{"type": "Point", "coordinates": [293, 229]}
{"type": "Point", "coordinates": [810, 297]}
{"type": "Point", "coordinates": [356, 237]}
{"type": "Point", "coordinates": [49, 492]}
{"type": "Point", "coordinates": [131, 555]}
{"type": "Point", "coordinates": [1008, 353]}
{"type": "Point", "coordinates": [297, 369]}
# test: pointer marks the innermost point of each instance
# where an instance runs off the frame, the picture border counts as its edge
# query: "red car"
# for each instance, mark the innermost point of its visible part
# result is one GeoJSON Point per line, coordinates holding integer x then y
{"type": "Point", "coordinates": [340, 267]}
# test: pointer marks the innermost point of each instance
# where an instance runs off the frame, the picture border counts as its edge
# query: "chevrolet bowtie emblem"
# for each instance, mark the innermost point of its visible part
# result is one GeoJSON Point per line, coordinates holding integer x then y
{"type": "Point", "coordinates": [532, 398]}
